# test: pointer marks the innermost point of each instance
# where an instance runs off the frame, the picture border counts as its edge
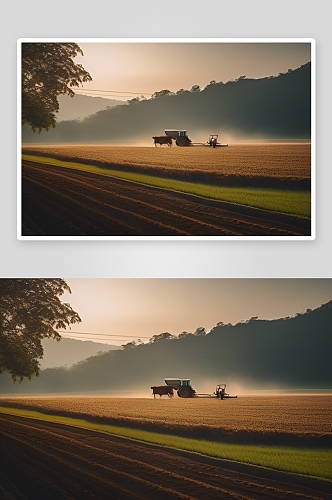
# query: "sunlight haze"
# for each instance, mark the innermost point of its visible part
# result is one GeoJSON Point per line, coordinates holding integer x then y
{"type": "Point", "coordinates": [141, 308]}
{"type": "Point", "coordinates": [146, 68]}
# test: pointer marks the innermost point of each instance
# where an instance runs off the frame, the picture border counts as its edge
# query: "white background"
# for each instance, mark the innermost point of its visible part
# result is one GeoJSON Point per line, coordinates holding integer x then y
{"type": "Point", "coordinates": [166, 18]}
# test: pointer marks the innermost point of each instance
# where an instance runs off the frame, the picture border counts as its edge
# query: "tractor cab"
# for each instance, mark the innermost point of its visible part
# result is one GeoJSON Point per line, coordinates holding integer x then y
{"type": "Point", "coordinates": [176, 133]}
{"type": "Point", "coordinates": [182, 386]}
{"type": "Point", "coordinates": [180, 136]}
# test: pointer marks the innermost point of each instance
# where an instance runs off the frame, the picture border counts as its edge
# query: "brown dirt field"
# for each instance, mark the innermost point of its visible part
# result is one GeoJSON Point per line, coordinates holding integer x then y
{"type": "Point", "coordinates": [268, 165]}
{"type": "Point", "coordinates": [273, 418]}
{"type": "Point", "coordinates": [58, 201]}
{"type": "Point", "coordinates": [42, 460]}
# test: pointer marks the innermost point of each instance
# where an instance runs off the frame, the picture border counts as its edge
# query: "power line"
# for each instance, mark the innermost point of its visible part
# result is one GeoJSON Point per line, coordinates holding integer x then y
{"type": "Point", "coordinates": [93, 339]}
{"type": "Point", "coordinates": [106, 95]}
{"type": "Point", "coordinates": [103, 334]}
{"type": "Point", "coordinates": [113, 91]}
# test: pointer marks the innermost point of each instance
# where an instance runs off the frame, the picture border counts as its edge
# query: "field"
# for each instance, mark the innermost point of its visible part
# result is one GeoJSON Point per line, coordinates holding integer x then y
{"type": "Point", "coordinates": [153, 448]}
{"type": "Point", "coordinates": [41, 459]}
{"type": "Point", "coordinates": [302, 416]}
{"type": "Point", "coordinates": [263, 165]}
{"type": "Point", "coordinates": [122, 191]}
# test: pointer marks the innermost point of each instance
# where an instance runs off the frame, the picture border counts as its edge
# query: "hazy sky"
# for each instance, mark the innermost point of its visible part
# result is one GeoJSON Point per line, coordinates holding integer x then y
{"type": "Point", "coordinates": [150, 67]}
{"type": "Point", "coordinates": [146, 307]}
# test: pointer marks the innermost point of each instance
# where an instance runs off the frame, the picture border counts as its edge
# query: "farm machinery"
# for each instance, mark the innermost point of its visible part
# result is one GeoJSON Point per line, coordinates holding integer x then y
{"type": "Point", "coordinates": [185, 390]}
{"type": "Point", "coordinates": [181, 139]}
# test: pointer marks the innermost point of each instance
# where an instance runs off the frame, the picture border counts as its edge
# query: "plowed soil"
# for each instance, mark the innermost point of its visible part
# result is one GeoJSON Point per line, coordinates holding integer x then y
{"type": "Point", "coordinates": [63, 202]}
{"type": "Point", "coordinates": [46, 460]}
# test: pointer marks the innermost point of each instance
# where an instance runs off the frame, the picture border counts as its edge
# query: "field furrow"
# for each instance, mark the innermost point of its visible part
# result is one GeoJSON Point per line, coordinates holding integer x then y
{"type": "Point", "coordinates": [65, 462]}
{"type": "Point", "coordinates": [83, 203]}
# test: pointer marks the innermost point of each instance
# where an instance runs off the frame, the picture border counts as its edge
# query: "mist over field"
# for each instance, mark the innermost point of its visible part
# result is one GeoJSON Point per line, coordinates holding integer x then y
{"type": "Point", "coordinates": [81, 106]}
{"type": "Point", "coordinates": [282, 354]}
{"type": "Point", "coordinates": [70, 351]}
{"type": "Point", "coordinates": [266, 108]}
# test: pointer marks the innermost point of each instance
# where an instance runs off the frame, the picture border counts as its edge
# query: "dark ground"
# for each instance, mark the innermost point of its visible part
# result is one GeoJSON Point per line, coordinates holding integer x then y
{"type": "Point", "coordinates": [41, 460]}
{"type": "Point", "coordinates": [63, 202]}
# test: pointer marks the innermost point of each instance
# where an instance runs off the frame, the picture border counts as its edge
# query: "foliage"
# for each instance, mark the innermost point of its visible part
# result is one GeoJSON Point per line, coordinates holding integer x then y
{"type": "Point", "coordinates": [161, 93]}
{"type": "Point", "coordinates": [30, 310]}
{"type": "Point", "coordinates": [134, 343]}
{"type": "Point", "coordinates": [183, 334]}
{"type": "Point", "coordinates": [133, 101]}
{"type": "Point", "coordinates": [48, 70]}
{"type": "Point", "coordinates": [161, 336]}
{"type": "Point", "coordinates": [200, 331]}
{"type": "Point", "coordinates": [212, 82]}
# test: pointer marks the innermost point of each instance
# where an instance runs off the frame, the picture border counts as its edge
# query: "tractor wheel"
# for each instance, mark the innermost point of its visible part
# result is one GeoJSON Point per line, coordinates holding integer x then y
{"type": "Point", "coordinates": [182, 141]}
{"type": "Point", "coordinates": [184, 392]}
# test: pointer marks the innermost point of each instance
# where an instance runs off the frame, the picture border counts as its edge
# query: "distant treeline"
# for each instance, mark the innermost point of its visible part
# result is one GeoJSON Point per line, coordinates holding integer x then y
{"type": "Point", "coordinates": [289, 353]}
{"type": "Point", "coordinates": [273, 107]}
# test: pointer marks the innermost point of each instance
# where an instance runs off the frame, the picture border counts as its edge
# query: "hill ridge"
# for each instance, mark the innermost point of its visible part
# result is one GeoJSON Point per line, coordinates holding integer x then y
{"type": "Point", "coordinates": [277, 107]}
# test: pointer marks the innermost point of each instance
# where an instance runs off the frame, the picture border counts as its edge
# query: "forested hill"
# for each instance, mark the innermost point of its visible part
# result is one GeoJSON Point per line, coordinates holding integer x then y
{"type": "Point", "coordinates": [287, 353]}
{"type": "Point", "coordinates": [81, 106]}
{"type": "Point", "coordinates": [272, 107]}
{"type": "Point", "coordinates": [70, 351]}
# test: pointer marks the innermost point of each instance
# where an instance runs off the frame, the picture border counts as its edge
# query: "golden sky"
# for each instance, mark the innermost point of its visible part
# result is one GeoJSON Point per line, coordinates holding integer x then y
{"type": "Point", "coordinates": [146, 307]}
{"type": "Point", "coordinates": [149, 67]}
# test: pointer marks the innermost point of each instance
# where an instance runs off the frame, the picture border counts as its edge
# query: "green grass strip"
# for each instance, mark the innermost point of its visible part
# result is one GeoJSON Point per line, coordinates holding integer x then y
{"type": "Point", "coordinates": [296, 203]}
{"type": "Point", "coordinates": [307, 461]}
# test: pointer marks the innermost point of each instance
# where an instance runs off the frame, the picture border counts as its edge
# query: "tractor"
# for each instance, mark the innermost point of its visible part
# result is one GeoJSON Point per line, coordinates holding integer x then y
{"type": "Point", "coordinates": [185, 390]}
{"type": "Point", "coordinates": [181, 139]}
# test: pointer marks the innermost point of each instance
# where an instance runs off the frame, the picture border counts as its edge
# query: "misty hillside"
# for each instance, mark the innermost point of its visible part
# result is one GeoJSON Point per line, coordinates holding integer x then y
{"type": "Point", "coordinates": [272, 107]}
{"type": "Point", "coordinates": [287, 353]}
{"type": "Point", "coordinates": [81, 106]}
{"type": "Point", "coordinates": [70, 351]}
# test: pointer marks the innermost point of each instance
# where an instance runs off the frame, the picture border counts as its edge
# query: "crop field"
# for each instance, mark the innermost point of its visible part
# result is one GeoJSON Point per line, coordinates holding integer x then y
{"type": "Point", "coordinates": [48, 456]}
{"type": "Point", "coordinates": [75, 200]}
{"type": "Point", "coordinates": [262, 165]}
{"type": "Point", "coordinates": [262, 190]}
{"type": "Point", "coordinates": [302, 416]}
{"type": "Point", "coordinates": [295, 435]}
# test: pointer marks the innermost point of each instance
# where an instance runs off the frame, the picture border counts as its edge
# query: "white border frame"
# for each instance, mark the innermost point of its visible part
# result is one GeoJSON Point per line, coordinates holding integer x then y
{"type": "Point", "coordinates": [312, 41]}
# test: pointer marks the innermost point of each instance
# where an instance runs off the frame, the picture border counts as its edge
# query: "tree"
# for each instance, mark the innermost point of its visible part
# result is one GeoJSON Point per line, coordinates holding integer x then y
{"type": "Point", "coordinates": [195, 88]}
{"type": "Point", "coordinates": [48, 70]}
{"type": "Point", "coordinates": [183, 334]}
{"type": "Point", "coordinates": [161, 336]}
{"type": "Point", "coordinates": [133, 101]}
{"type": "Point", "coordinates": [30, 310]}
{"type": "Point", "coordinates": [161, 93]}
{"type": "Point", "coordinates": [129, 345]}
{"type": "Point", "coordinates": [212, 82]}
{"type": "Point", "coordinates": [134, 343]}
{"type": "Point", "coordinates": [200, 331]}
